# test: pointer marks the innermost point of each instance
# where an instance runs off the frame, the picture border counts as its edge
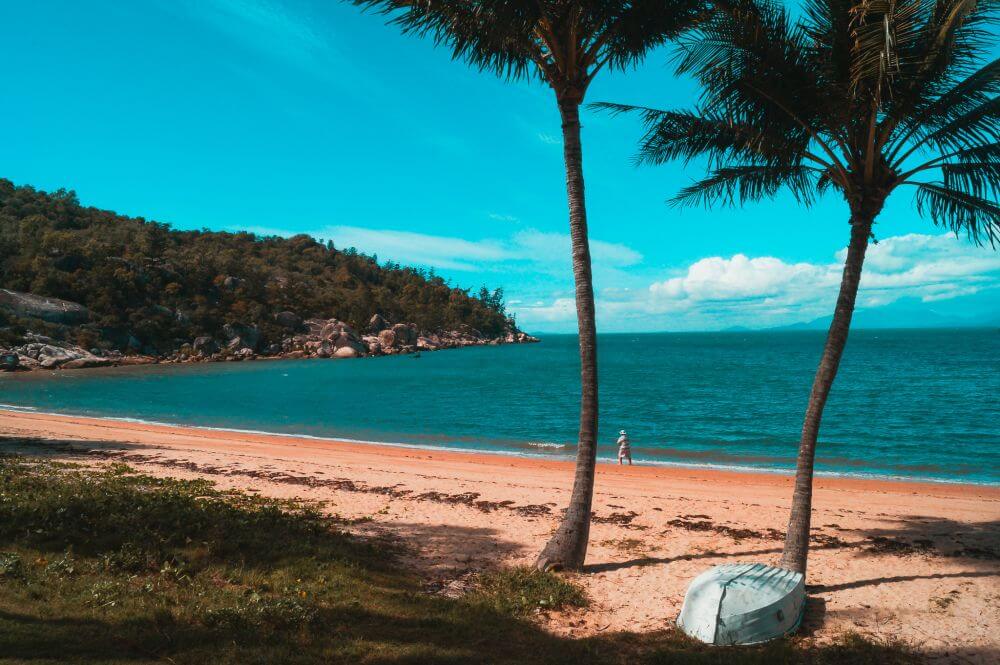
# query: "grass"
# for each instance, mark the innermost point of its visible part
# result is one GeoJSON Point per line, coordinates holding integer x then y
{"type": "Point", "coordinates": [520, 591]}
{"type": "Point", "coordinates": [111, 566]}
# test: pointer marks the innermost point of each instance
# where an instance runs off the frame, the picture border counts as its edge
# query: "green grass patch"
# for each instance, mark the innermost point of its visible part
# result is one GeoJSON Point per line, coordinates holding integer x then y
{"type": "Point", "coordinates": [112, 566]}
{"type": "Point", "coordinates": [520, 591]}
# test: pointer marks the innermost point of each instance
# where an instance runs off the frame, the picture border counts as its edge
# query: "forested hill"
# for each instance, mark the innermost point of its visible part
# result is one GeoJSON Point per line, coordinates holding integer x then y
{"type": "Point", "coordinates": [142, 280]}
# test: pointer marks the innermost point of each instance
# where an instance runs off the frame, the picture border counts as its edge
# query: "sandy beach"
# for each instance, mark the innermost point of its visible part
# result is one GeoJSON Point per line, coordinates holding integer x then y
{"type": "Point", "coordinates": [914, 561]}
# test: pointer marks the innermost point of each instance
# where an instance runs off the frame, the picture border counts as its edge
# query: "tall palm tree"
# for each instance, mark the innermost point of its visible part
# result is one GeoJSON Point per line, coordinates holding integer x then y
{"type": "Point", "coordinates": [862, 97]}
{"type": "Point", "coordinates": [565, 43]}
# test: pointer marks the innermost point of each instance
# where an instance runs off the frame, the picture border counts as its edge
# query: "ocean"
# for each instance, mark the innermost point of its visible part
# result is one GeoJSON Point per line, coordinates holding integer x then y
{"type": "Point", "coordinates": [918, 404]}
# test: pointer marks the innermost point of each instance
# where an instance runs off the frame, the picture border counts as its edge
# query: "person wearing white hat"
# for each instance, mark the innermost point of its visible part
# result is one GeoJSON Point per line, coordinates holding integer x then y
{"type": "Point", "coordinates": [624, 448]}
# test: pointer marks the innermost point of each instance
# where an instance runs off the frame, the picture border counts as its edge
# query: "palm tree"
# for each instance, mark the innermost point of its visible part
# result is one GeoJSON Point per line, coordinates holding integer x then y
{"type": "Point", "coordinates": [565, 43]}
{"type": "Point", "coordinates": [862, 97]}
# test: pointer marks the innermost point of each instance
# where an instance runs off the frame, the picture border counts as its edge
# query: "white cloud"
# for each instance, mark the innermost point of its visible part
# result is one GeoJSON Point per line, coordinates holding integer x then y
{"type": "Point", "coordinates": [766, 291]}
{"type": "Point", "coordinates": [740, 278]}
{"type": "Point", "coordinates": [557, 246]}
{"type": "Point", "coordinates": [530, 249]}
{"type": "Point", "coordinates": [419, 248]}
{"type": "Point", "coordinates": [560, 310]}
{"type": "Point", "coordinates": [549, 139]}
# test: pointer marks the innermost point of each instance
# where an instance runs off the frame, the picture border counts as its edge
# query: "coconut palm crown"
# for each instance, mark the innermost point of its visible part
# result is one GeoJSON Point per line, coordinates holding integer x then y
{"type": "Point", "coordinates": [858, 97]}
{"type": "Point", "coordinates": [565, 43]}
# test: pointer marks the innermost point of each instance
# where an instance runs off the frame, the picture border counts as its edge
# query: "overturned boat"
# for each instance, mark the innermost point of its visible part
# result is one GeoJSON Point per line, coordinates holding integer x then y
{"type": "Point", "coordinates": [743, 603]}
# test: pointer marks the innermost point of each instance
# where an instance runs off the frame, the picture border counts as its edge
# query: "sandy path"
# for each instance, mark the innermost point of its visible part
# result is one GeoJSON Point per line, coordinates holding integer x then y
{"type": "Point", "coordinates": [918, 561]}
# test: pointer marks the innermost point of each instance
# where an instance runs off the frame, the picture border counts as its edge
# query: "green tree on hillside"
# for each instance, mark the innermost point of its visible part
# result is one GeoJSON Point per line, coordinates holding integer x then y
{"type": "Point", "coordinates": [162, 287]}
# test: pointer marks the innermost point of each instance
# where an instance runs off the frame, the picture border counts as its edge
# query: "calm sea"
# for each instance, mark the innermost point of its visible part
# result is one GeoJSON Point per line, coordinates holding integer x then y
{"type": "Point", "coordinates": [907, 403]}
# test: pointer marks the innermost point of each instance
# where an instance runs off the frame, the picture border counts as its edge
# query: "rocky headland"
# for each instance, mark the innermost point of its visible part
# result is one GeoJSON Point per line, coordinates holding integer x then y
{"type": "Point", "coordinates": [302, 338]}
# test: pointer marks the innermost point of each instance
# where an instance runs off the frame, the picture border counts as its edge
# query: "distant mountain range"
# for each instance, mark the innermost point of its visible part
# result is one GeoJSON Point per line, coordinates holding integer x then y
{"type": "Point", "coordinates": [901, 317]}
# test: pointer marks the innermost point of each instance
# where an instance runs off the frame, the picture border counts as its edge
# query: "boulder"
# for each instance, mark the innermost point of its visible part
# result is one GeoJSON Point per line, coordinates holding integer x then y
{"type": "Point", "coordinates": [314, 326]}
{"type": "Point", "coordinates": [83, 363]}
{"type": "Point", "coordinates": [289, 320]}
{"type": "Point", "coordinates": [241, 336]}
{"type": "Point", "coordinates": [50, 357]}
{"type": "Point", "coordinates": [346, 352]}
{"type": "Point", "coordinates": [469, 333]}
{"type": "Point", "coordinates": [56, 356]}
{"type": "Point", "coordinates": [406, 333]}
{"type": "Point", "coordinates": [387, 339]}
{"type": "Point", "coordinates": [26, 362]}
{"type": "Point", "coordinates": [345, 337]}
{"type": "Point", "coordinates": [9, 361]}
{"type": "Point", "coordinates": [231, 283]}
{"type": "Point", "coordinates": [205, 346]}
{"type": "Point", "coordinates": [52, 310]}
{"type": "Point", "coordinates": [427, 343]}
{"type": "Point", "coordinates": [137, 360]}
{"type": "Point", "coordinates": [331, 330]}
{"type": "Point", "coordinates": [377, 324]}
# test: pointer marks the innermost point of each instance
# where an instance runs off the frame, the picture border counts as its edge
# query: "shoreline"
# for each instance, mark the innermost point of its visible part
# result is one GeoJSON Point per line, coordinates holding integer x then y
{"type": "Point", "coordinates": [774, 477]}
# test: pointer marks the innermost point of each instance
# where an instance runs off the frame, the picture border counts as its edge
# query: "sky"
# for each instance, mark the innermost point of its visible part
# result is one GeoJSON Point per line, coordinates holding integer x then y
{"type": "Point", "coordinates": [310, 116]}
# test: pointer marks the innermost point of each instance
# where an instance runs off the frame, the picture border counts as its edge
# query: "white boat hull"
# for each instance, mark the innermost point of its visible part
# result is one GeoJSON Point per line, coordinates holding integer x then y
{"type": "Point", "coordinates": [743, 604]}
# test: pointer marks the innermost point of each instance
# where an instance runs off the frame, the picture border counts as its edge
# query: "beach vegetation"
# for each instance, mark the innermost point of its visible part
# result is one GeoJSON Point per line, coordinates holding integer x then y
{"type": "Point", "coordinates": [864, 100]}
{"type": "Point", "coordinates": [564, 44]}
{"type": "Point", "coordinates": [106, 565]}
{"type": "Point", "coordinates": [522, 590]}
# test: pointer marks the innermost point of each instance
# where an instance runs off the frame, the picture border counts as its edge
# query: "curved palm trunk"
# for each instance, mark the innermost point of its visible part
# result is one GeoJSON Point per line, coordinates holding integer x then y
{"type": "Point", "coordinates": [568, 546]}
{"type": "Point", "coordinates": [796, 549]}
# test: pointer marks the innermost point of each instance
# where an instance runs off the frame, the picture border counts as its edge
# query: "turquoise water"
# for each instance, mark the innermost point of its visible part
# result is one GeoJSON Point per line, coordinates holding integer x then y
{"type": "Point", "coordinates": [909, 403]}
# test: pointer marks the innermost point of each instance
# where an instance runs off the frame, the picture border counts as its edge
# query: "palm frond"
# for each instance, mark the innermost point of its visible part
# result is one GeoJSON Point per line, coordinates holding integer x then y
{"type": "Point", "coordinates": [980, 179]}
{"type": "Point", "coordinates": [491, 35]}
{"type": "Point", "coordinates": [932, 114]}
{"type": "Point", "coordinates": [752, 61]}
{"type": "Point", "coordinates": [569, 41]}
{"type": "Point", "coordinates": [960, 212]}
{"type": "Point", "coordinates": [883, 31]}
{"type": "Point", "coordinates": [977, 126]}
{"type": "Point", "coordinates": [625, 31]}
{"type": "Point", "coordinates": [735, 185]}
{"type": "Point", "coordinates": [688, 134]}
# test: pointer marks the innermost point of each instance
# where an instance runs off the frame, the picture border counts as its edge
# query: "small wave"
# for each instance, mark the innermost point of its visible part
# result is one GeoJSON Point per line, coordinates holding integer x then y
{"type": "Point", "coordinates": [736, 467]}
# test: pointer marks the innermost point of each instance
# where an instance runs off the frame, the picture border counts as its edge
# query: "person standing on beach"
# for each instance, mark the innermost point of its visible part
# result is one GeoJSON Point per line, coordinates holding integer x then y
{"type": "Point", "coordinates": [624, 447]}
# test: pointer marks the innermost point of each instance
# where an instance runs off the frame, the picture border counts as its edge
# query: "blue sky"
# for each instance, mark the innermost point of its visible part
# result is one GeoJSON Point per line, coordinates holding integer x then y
{"type": "Point", "coordinates": [290, 116]}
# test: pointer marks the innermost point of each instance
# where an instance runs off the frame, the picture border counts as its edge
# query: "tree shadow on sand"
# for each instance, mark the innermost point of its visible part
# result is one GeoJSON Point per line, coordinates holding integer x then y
{"type": "Point", "coordinates": [974, 543]}
{"type": "Point", "coordinates": [894, 579]}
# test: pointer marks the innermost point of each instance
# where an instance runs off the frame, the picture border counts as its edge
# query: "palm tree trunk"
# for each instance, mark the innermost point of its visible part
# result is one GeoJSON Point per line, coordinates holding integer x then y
{"type": "Point", "coordinates": [796, 549]}
{"type": "Point", "coordinates": [568, 546]}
